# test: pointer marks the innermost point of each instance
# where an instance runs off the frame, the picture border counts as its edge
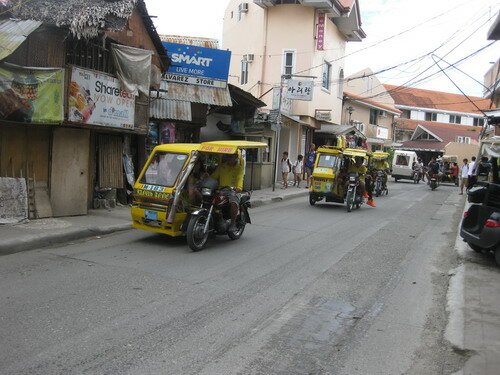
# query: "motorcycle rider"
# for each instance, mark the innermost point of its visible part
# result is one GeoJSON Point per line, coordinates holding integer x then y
{"type": "Point", "coordinates": [433, 170]}
{"type": "Point", "coordinates": [361, 170]}
{"type": "Point", "coordinates": [230, 173]}
{"type": "Point", "coordinates": [418, 168]}
{"type": "Point", "coordinates": [381, 165]}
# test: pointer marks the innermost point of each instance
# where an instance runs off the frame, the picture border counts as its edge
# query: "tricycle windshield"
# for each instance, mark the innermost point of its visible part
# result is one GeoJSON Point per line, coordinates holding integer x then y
{"type": "Point", "coordinates": [327, 161]}
{"type": "Point", "coordinates": [164, 168]}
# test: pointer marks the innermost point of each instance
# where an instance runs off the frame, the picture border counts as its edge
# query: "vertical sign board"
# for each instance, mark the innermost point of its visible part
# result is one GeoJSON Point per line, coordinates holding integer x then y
{"type": "Point", "coordinates": [320, 37]}
{"type": "Point", "coordinates": [382, 133]}
{"type": "Point", "coordinates": [197, 65]}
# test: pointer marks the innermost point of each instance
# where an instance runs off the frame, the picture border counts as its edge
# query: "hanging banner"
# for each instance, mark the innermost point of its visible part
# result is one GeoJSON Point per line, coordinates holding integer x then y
{"type": "Point", "coordinates": [300, 89]}
{"type": "Point", "coordinates": [31, 95]}
{"type": "Point", "coordinates": [96, 98]}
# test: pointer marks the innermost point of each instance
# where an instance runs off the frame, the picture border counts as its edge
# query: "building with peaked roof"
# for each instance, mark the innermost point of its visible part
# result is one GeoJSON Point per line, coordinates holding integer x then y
{"type": "Point", "coordinates": [436, 139]}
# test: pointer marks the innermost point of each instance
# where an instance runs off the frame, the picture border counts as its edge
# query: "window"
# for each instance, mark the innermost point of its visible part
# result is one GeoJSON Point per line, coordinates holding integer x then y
{"type": "Point", "coordinates": [478, 121]}
{"type": "Point", "coordinates": [374, 116]}
{"type": "Point", "coordinates": [327, 69]}
{"type": "Point", "coordinates": [429, 116]}
{"type": "Point", "coordinates": [163, 169]}
{"type": "Point", "coordinates": [360, 126]}
{"type": "Point", "coordinates": [402, 160]}
{"type": "Point", "coordinates": [288, 62]}
{"type": "Point", "coordinates": [426, 137]}
{"type": "Point", "coordinates": [244, 72]}
{"type": "Point", "coordinates": [340, 93]}
{"type": "Point", "coordinates": [89, 54]}
{"type": "Point", "coordinates": [461, 139]}
{"type": "Point", "coordinates": [454, 119]}
{"type": "Point", "coordinates": [328, 161]}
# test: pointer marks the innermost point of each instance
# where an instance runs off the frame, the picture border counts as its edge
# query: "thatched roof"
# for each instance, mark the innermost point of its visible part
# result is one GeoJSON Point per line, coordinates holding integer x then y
{"type": "Point", "coordinates": [83, 18]}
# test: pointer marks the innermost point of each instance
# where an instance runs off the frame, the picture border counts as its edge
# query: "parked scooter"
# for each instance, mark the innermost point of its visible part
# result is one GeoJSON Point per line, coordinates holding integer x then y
{"type": "Point", "coordinates": [214, 216]}
{"type": "Point", "coordinates": [353, 196]}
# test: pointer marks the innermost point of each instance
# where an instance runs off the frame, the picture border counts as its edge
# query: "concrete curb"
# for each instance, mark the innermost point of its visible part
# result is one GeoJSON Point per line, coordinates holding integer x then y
{"type": "Point", "coordinates": [266, 201]}
{"type": "Point", "coordinates": [41, 240]}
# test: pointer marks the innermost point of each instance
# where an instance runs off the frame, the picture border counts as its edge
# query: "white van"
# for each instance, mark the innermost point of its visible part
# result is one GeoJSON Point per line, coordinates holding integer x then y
{"type": "Point", "coordinates": [401, 164]}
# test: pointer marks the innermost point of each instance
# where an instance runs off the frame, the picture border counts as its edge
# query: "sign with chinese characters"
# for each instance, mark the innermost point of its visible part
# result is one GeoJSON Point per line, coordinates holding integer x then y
{"type": "Point", "coordinates": [300, 90]}
{"type": "Point", "coordinates": [197, 65]}
{"type": "Point", "coordinates": [97, 98]}
{"type": "Point", "coordinates": [382, 133]}
{"type": "Point", "coordinates": [323, 115]}
{"type": "Point", "coordinates": [320, 36]}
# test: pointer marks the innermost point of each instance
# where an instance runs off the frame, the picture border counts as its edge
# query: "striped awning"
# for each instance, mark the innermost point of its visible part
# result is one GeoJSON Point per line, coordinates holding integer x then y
{"type": "Point", "coordinates": [13, 33]}
{"type": "Point", "coordinates": [194, 94]}
{"type": "Point", "coordinates": [167, 109]}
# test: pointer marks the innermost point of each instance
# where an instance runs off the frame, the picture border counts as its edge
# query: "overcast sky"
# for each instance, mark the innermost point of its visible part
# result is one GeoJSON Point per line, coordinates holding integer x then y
{"type": "Point", "coordinates": [456, 28]}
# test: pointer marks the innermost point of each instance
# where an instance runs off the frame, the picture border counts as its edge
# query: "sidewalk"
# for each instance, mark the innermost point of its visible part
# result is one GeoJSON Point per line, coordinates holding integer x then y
{"type": "Point", "coordinates": [45, 232]}
{"type": "Point", "coordinates": [474, 310]}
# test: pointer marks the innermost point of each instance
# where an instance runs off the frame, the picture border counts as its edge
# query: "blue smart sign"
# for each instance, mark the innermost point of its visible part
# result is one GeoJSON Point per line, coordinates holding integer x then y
{"type": "Point", "coordinates": [197, 65]}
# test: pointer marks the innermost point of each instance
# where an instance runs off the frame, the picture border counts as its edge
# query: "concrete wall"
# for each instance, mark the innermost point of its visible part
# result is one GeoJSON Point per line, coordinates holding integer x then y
{"type": "Point", "coordinates": [462, 150]}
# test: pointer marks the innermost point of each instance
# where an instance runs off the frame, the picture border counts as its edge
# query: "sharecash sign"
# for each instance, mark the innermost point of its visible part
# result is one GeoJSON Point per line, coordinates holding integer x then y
{"type": "Point", "coordinates": [96, 98]}
{"type": "Point", "coordinates": [197, 65]}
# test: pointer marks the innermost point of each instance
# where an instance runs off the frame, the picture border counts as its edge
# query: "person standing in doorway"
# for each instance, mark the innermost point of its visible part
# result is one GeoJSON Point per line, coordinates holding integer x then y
{"type": "Point", "coordinates": [286, 167]}
{"type": "Point", "coordinates": [310, 158]}
{"type": "Point", "coordinates": [464, 174]}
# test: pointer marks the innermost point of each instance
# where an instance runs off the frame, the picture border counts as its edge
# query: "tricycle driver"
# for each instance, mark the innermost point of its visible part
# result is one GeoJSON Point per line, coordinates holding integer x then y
{"type": "Point", "coordinates": [360, 169]}
{"type": "Point", "coordinates": [381, 165]}
{"type": "Point", "coordinates": [229, 173]}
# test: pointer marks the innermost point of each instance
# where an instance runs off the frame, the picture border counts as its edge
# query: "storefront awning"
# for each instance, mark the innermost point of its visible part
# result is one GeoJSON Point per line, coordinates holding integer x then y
{"type": "Point", "coordinates": [194, 94]}
{"type": "Point", "coordinates": [167, 109]}
{"type": "Point", "coordinates": [379, 141]}
{"type": "Point", "coordinates": [13, 33]}
{"type": "Point", "coordinates": [340, 130]}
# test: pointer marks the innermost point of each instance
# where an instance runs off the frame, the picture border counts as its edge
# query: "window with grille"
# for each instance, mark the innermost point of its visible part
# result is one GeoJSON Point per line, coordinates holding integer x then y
{"type": "Point", "coordinates": [90, 54]}
{"type": "Point", "coordinates": [288, 62]}
{"type": "Point", "coordinates": [244, 72]}
{"type": "Point", "coordinates": [327, 70]}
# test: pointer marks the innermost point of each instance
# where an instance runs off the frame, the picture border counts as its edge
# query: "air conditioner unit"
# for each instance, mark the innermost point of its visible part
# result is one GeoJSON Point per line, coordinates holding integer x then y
{"type": "Point", "coordinates": [243, 7]}
{"type": "Point", "coordinates": [249, 57]}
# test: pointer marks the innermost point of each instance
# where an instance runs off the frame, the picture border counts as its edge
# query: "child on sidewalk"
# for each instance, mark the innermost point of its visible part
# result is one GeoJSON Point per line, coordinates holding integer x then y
{"type": "Point", "coordinates": [286, 167]}
{"type": "Point", "coordinates": [297, 169]}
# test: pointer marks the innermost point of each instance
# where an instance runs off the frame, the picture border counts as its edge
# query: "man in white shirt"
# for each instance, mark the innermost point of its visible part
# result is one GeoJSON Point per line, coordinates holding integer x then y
{"type": "Point", "coordinates": [472, 172]}
{"type": "Point", "coordinates": [464, 173]}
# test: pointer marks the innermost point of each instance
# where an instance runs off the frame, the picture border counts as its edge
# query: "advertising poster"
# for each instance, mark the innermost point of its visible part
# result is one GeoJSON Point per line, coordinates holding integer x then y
{"type": "Point", "coordinates": [197, 65]}
{"type": "Point", "coordinates": [167, 133]}
{"type": "Point", "coordinates": [31, 95]}
{"type": "Point", "coordinates": [97, 99]}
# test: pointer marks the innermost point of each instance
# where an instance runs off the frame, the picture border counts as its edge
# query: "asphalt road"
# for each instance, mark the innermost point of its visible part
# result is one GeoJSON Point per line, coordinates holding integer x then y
{"type": "Point", "coordinates": [306, 290]}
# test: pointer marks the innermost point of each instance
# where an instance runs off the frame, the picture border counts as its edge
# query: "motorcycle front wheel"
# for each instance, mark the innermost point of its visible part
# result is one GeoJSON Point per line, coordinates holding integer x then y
{"type": "Point", "coordinates": [240, 227]}
{"type": "Point", "coordinates": [196, 239]}
{"type": "Point", "coordinates": [349, 200]}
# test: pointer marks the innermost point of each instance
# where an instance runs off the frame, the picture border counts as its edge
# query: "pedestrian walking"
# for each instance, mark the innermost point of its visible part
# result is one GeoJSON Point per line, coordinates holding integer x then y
{"type": "Point", "coordinates": [310, 158]}
{"type": "Point", "coordinates": [464, 174]}
{"type": "Point", "coordinates": [454, 173]}
{"type": "Point", "coordinates": [286, 167]}
{"type": "Point", "coordinates": [297, 169]}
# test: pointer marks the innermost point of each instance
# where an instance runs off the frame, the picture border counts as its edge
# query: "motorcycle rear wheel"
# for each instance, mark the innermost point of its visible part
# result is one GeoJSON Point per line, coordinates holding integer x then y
{"type": "Point", "coordinates": [196, 239]}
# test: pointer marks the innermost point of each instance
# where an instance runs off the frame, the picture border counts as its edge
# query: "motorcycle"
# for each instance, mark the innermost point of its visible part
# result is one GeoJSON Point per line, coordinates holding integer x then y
{"type": "Point", "coordinates": [353, 196]}
{"type": "Point", "coordinates": [214, 215]}
{"type": "Point", "coordinates": [379, 184]}
{"type": "Point", "coordinates": [433, 183]}
{"type": "Point", "coordinates": [416, 176]}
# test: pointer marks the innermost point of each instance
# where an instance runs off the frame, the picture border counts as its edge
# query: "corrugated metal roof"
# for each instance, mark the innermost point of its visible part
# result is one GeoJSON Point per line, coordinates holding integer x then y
{"type": "Point", "coordinates": [196, 94]}
{"type": "Point", "coordinates": [192, 41]}
{"type": "Point", "coordinates": [13, 33]}
{"type": "Point", "coordinates": [166, 109]}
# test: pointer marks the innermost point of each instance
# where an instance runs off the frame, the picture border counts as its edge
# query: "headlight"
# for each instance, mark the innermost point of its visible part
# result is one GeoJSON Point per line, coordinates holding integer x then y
{"type": "Point", "coordinates": [206, 191]}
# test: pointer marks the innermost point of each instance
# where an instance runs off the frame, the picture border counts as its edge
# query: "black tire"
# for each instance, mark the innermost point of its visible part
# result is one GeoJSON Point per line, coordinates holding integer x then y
{"type": "Point", "coordinates": [312, 200]}
{"type": "Point", "coordinates": [195, 238]}
{"type": "Point", "coordinates": [497, 255]}
{"type": "Point", "coordinates": [386, 191]}
{"type": "Point", "coordinates": [349, 201]}
{"type": "Point", "coordinates": [477, 249]}
{"type": "Point", "coordinates": [395, 179]}
{"type": "Point", "coordinates": [240, 225]}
